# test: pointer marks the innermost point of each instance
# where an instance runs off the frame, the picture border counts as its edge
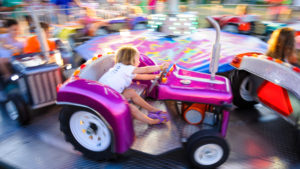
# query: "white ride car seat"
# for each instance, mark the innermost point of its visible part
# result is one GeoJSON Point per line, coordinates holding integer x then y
{"type": "Point", "coordinates": [97, 68]}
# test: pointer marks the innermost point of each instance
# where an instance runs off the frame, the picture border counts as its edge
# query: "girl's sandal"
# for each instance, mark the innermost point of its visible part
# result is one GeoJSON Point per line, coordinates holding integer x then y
{"type": "Point", "coordinates": [158, 112]}
{"type": "Point", "coordinates": [162, 117]}
{"type": "Point", "coordinates": [162, 114]}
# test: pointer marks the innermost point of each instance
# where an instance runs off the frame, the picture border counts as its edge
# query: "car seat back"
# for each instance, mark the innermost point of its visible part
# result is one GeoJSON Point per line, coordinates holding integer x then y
{"type": "Point", "coordinates": [97, 68]}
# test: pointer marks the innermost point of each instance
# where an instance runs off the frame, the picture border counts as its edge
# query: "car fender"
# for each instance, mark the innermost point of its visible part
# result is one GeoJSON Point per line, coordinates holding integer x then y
{"type": "Point", "coordinates": [106, 102]}
{"type": "Point", "coordinates": [137, 20]}
{"type": "Point", "coordinates": [230, 20]}
{"type": "Point", "coordinates": [273, 70]}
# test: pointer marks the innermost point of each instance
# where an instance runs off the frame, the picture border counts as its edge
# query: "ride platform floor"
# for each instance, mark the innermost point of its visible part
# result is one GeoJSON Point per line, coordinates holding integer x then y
{"type": "Point", "coordinates": [257, 137]}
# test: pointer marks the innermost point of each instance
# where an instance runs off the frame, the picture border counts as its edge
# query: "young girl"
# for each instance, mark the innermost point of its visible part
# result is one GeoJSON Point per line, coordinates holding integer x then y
{"type": "Point", "coordinates": [120, 77]}
{"type": "Point", "coordinates": [282, 45]}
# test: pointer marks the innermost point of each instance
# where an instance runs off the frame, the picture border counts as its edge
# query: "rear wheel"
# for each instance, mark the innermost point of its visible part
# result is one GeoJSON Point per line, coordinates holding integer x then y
{"type": "Point", "coordinates": [231, 28]}
{"type": "Point", "coordinates": [87, 132]}
{"type": "Point", "coordinates": [71, 41]}
{"type": "Point", "coordinates": [101, 31]}
{"type": "Point", "coordinates": [207, 150]}
{"type": "Point", "coordinates": [259, 28]}
{"type": "Point", "coordinates": [140, 26]}
{"type": "Point", "coordinates": [241, 88]}
{"type": "Point", "coordinates": [17, 110]}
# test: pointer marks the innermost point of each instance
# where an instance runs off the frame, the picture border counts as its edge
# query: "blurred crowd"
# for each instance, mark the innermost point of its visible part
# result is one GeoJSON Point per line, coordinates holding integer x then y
{"type": "Point", "coordinates": [18, 33]}
{"type": "Point", "coordinates": [17, 29]}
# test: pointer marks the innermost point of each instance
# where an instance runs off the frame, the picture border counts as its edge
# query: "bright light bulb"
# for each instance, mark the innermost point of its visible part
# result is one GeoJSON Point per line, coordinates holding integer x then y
{"type": "Point", "coordinates": [14, 77]}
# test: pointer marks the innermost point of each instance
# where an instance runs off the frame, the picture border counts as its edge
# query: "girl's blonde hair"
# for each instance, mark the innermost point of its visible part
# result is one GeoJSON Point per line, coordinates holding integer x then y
{"type": "Point", "coordinates": [126, 55]}
{"type": "Point", "coordinates": [281, 43]}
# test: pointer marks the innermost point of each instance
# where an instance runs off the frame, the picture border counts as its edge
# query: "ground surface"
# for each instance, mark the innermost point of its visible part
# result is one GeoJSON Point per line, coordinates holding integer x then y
{"type": "Point", "coordinates": [256, 142]}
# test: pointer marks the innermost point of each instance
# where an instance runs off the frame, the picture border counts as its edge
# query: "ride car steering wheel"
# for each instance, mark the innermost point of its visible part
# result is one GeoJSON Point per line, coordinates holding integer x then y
{"type": "Point", "coordinates": [155, 82]}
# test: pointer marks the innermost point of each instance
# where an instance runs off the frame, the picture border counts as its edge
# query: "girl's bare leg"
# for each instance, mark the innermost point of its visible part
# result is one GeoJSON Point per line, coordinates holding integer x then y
{"type": "Point", "coordinates": [137, 114]}
{"type": "Point", "coordinates": [131, 94]}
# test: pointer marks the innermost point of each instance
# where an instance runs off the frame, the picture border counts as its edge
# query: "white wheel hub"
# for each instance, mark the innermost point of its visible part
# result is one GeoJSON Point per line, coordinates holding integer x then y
{"type": "Point", "coordinates": [12, 110]}
{"type": "Point", "coordinates": [90, 131]}
{"type": "Point", "coordinates": [208, 154]}
{"type": "Point", "coordinates": [101, 32]}
{"type": "Point", "coordinates": [140, 26]}
{"type": "Point", "coordinates": [231, 28]}
{"type": "Point", "coordinates": [245, 89]}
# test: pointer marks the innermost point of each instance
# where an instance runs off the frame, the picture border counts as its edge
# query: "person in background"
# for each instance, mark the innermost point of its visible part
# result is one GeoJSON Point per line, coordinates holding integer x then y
{"type": "Point", "coordinates": [65, 4]}
{"type": "Point", "coordinates": [152, 6]}
{"type": "Point", "coordinates": [10, 5]}
{"type": "Point", "coordinates": [282, 45]}
{"type": "Point", "coordinates": [13, 6]}
{"type": "Point", "coordinates": [2, 27]}
{"type": "Point", "coordinates": [242, 10]}
{"type": "Point", "coordinates": [32, 44]}
{"type": "Point", "coordinates": [9, 46]}
{"type": "Point", "coordinates": [142, 4]}
{"type": "Point", "coordinates": [9, 43]}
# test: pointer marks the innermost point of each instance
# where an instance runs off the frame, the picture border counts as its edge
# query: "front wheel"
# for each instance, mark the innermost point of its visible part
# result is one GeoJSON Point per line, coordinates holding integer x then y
{"type": "Point", "coordinates": [241, 88]}
{"type": "Point", "coordinates": [87, 132]}
{"type": "Point", "coordinates": [207, 151]}
{"type": "Point", "coordinates": [17, 110]}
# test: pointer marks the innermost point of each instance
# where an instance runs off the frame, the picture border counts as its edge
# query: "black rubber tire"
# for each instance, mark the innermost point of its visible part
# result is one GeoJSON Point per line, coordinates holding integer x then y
{"type": "Point", "coordinates": [237, 77]}
{"type": "Point", "coordinates": [64, 119]}
{"type": "Point", "coordinates": [159, 28]}
{"type": "Point", "coordinates": [206, 137]}
{"type": "Point", "coordinates": [22, 110]}
{"type": "Point", "coordinates": [268, 36]}
{"type": "Point", "coordinates": [297, 141]}
{"type": "Point", "coordinates": [72, 41]}
{"type": "Point", "coordinates": [81, 61]}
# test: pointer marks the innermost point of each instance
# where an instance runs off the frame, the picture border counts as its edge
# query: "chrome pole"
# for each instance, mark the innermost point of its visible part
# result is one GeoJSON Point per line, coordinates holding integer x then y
{"type": "Point", "coordinates": [215, 54]}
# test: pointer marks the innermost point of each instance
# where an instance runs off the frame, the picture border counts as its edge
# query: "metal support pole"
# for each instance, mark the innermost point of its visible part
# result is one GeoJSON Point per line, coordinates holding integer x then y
{"type": "Point", "coordinates": [214, 63]}
{"type": "Point", "coordinates": [40, 34]}
{"type": "Point", "coordinates": [173, 7]}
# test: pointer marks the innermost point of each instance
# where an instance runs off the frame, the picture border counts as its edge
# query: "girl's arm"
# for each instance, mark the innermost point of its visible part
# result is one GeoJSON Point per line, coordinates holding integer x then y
{"type": "Point", "coordinates": [146, 76]}
{"type": "Point", "coordinates": [146, 69]}
{"type": "Point", "coordinates": [9, 47]}
{"type": "Point", "coordinates": [150, 69]}
{"type": "Point", "coordinates": [293, 59]}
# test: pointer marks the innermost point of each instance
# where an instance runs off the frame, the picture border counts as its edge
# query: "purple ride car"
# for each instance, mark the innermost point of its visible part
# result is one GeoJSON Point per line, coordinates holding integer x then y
{"type": "Point", "coordinates": [97, 121]}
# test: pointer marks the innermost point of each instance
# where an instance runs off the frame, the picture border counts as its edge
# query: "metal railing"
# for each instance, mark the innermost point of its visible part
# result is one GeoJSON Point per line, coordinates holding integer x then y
{"type": "Point", "coordinates": [51, 13]}
{"type": "Point", "coordinates": [54, 15]}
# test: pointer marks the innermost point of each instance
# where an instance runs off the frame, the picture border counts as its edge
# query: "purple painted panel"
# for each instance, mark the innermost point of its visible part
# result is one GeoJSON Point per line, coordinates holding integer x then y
{"type": "Point", "coordinates": [107, 102]}
{"type": "Point", "coordinates": [225, 121]}
{"type": "Point", "coordinates": [135, 20]}
{"type": "Point", "coordinates": [146, 61]}
{"type": "Point", "coordinates": [117, 21]}
{"type": "Point", "coordinates": [201, 89]}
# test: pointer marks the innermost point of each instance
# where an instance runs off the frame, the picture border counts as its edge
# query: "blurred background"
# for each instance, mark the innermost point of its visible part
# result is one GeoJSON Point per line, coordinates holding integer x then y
{"type": "Point", "coordinates": [57, 30]}
{"type": "Point", "coordinates": [62, 11]}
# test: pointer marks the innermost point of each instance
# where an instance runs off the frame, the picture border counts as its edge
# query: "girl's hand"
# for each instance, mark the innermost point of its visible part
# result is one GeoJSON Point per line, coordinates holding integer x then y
{"type": "Point", "coordinates": [164, 66]}
{"type": "Point", "coordinates": [293, 59]}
